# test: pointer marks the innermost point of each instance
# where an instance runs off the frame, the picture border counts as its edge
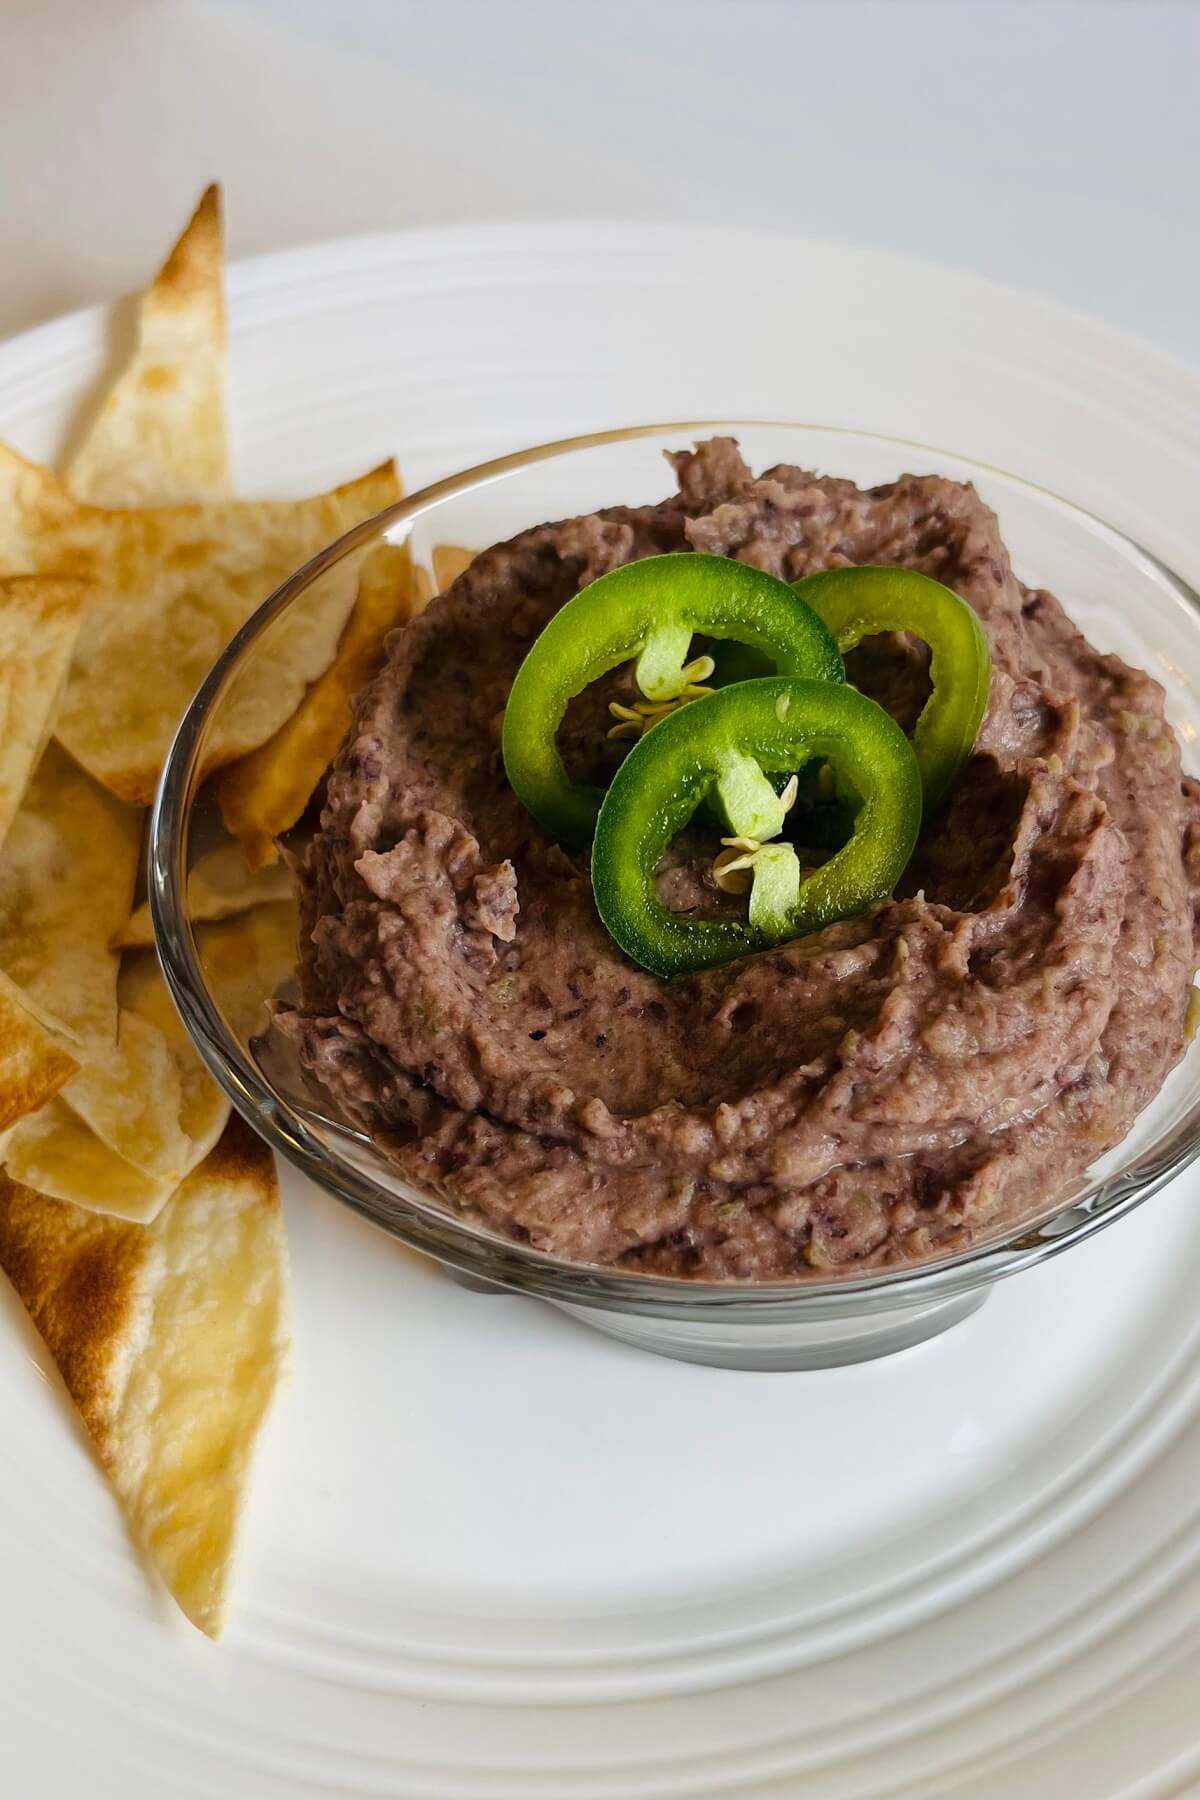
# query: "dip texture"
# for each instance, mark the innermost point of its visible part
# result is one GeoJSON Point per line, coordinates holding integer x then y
{"type": "Point", "coordinates": [881, 1092]}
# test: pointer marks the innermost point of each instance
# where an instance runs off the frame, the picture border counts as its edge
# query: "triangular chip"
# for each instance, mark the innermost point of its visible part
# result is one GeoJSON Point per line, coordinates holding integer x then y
{"type": "Point", "coordinates": [39, 622]}
{"type": "Point", "coordinates": [54, 1152]}
{"type": "Point", "coordinates": [449, 561]}
{"type": "Point", "coordinates": [67, 870]}
{"type": "Point", "coordinates": [265, 792]}
{"type": "Point", "coordinates": [33, 1064]}
{"type": "Point", "coordinates": [133, 1121]}
{"type": "Point", "coordinates": [131, 1097]}
{"type": "Point", "coordinates": [170, 1339]}
{"type": "Point", "coordinates": [247, 960]}
{"type": "Point", "coordinates": [173, 585]}
{"type": "Point", "coordinates": [161, 433]}
{"type": "Point", "coordinates": [135, 1108]}
{"type": "Point", "coordinates": [203, 1107]}
{"type": "Point", "coordinates": [150, 1100]}
{"type": "Point", "coordinates": [219, 885]}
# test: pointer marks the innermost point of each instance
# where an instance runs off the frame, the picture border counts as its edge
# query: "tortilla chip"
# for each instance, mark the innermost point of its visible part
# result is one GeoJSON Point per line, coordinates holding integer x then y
{"type": "Point", "coordinates": [174, 584]}
{"type": "Point", "coordinates": [204, 1109]}
{"type": "Point", "coordinates": [126, 1127]}
{"type": "Point", "coordinates": [422, 587]}
{"type": "Point", "coordinates": [247, 960]}
{"type": "Point", "coordinates": [149, 1099]}
{"type": "Point", "coordinates": [39, 622]}
{"type": "Point", "coordinates": [171, 1340]}
{"type": "Point", "coordinates": [161, 434]}
{"type": "Point", "coordinates": [449, 561]}
{"type": "Point", "coordinates": [219, 885]}
{"type": "Point", "coordinates": [131, 1119]}
{"type": "Point", "coordinates": [34, 1065]}
{"type": "Point", "coordinates": [132, 1100]}
{"type": "Point", "coordinates": [54, 1152]}
{"type": "Point", "coordinates": [265, 792]}
{"type": "Point", "coordinates": [144, 991]}
{"type": "Point", "coordinates": [136, 1109]}
{"type": "Point", "coordinates": [67, 871]}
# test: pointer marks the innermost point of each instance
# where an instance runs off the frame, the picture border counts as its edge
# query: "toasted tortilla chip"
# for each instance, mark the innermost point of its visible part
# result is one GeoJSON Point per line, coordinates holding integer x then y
{"type": "Point", "coordinates": [265, 792]}
{"type": "Point", "coordinates": [127, 1126]}
{"type": "Point", "coordinates": [132, 1098]}
{"type": "Point", "coordinates": [149, 1098]}
{"type": "Point", "coordinates": [219, 885]}
{"type": "Point", "coordinates": [173, 585]}
{"type": "Point", "coordinates": [247, 960]}
{"type": "Point", "coordinates": [67, 871]}
{"type": "Point", "coordinates": [171, 1340]}
{"type": "Point", "coordinates": [161, 434]}
{"type": "Point", "coordinates": [203, 1109]}
{"type": "Point", "coordinates": [449, 561]}
{"type": "Point", "coordinates": [144, 991]}
{"type": "Point", "coordinates": [131, 1119]}
{"type": "Point", "coordinates": [39, 622]}
{"type": "Point", "coordinates": [34, 1064]}
{"type": "Point", "coordinates": [54, 1152]}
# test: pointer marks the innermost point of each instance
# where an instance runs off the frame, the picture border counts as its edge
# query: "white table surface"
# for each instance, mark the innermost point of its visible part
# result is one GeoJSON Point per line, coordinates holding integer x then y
{"type": "Point", "coordinates": [1050, 143]}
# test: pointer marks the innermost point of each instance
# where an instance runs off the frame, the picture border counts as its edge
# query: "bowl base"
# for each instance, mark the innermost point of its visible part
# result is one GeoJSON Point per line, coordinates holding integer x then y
{"type": "Point", "coordinates": [815, 1344]}
{"type": "Point", "coordinates": [783, 1347]}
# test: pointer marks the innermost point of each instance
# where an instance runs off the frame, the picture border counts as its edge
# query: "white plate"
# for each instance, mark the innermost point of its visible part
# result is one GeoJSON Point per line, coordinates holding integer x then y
{"type": "Point", "coordinates": [490, 1554]}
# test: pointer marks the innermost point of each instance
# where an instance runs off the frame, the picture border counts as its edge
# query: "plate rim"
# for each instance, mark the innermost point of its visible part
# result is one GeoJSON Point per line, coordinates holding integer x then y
{"type": "Point", "coordinates": [247, 275]}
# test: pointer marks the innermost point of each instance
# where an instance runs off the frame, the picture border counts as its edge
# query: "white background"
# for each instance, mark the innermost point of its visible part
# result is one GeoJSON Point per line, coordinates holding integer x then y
{"type": "Point", "coordinates": [1050, 143]}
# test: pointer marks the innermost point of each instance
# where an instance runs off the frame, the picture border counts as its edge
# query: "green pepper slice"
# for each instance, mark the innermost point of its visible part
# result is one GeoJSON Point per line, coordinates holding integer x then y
{"type": "Point", "coordinates": [648, 610]}
{"type": "Point", "coordinates": [775, 723]}
{"type": "Point", "coordinates": [859, 603]}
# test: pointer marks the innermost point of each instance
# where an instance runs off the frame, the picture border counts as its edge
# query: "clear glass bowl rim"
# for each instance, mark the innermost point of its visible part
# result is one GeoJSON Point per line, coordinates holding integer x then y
{"type": "Point", "coordinates": [427, 1225]}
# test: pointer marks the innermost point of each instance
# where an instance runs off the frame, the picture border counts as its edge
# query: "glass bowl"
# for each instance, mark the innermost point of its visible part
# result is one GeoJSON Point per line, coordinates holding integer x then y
{"type": "Point", "coordinates": [1122, 597]}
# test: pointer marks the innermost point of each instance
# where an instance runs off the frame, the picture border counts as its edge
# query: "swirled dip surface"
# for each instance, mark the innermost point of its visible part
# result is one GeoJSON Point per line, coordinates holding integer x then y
{"type": "Point", "coordinates": [881, 1092]}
